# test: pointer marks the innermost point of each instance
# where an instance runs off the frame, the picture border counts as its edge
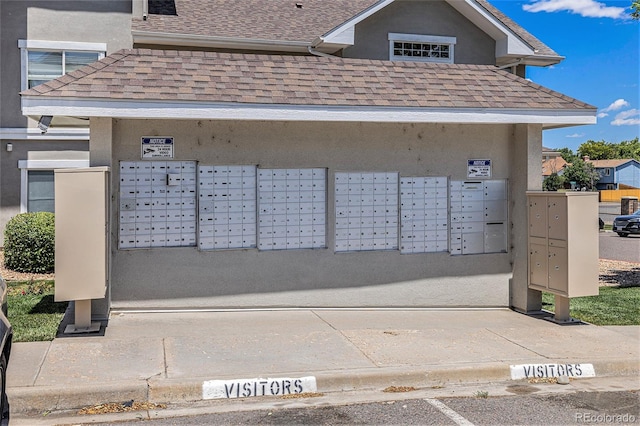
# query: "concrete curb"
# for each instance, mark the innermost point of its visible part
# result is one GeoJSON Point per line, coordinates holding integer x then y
{"type": "Point", "coordinates": [40, 399]}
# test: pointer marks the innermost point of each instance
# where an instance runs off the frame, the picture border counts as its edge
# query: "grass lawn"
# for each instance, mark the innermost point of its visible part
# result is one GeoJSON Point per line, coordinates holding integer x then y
{"type": "Point", "coordinates": [614, 306]}
{"type": "Point", "coordinates": [33, 314]}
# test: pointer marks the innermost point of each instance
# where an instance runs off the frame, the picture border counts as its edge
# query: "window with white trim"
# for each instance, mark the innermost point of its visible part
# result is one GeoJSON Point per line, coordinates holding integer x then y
{"type": "Point", "coordinates": [422, 48]}
{"type": "Point", "coordinates": [37, 182]}
{"type": "Point", "coordinates": [43, 61]}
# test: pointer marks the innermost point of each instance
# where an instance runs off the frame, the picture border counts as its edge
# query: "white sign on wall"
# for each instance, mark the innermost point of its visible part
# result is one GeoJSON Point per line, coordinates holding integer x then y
{"type": "Point", "coordinates": [479, 168]}
{"type": "Point", "coordinates": [156, 147]}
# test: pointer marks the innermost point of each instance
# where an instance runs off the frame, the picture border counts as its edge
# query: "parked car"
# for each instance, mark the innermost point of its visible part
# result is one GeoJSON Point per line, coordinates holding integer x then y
{"type": "Point", "coordinates": [6, 336]}
{"type": "Point", "coordinates": [627, 224]}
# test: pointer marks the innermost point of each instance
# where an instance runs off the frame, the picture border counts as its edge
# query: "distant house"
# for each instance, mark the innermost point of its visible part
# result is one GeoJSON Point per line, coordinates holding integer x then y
{"type": "Point", "coordinates": [552, 162]}
{"type": "Point", "coordinates": [617, 174]}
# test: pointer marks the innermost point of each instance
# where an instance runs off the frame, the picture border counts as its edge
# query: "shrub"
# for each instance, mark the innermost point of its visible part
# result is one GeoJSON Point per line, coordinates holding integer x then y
{"type": "Point", "coordinates": [29, 243]}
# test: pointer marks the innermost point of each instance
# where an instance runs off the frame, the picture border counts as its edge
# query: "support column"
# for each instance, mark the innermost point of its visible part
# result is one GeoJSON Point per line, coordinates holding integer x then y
{"type": "Point", "coordinates": [525, 175]}
{"type": "Point", "coordinates": [101, 154]}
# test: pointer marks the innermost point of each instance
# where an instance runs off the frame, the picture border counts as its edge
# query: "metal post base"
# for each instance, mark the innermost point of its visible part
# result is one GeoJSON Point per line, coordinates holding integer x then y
{"type": "Point", "coordinates": [561, 316]}
{"type": "Point", "coordinates": [568, 321]}
{"type": "Point", "coordinates": [75, 329]}
{"type": "Point", "coordinates": [83, 324]}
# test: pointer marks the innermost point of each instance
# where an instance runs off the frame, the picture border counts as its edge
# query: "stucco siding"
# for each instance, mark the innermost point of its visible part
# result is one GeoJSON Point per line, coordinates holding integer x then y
{"type": "Point", "coordinates": [57, 21]}
{"type": "Point", "coordinates": [10, 173]}
{"type": "Point", "coordinates": [78, 21]}
{"type": "Point", "coordinates": [434, 18]}
{"type": "Point", "coordinates": [186, 277]}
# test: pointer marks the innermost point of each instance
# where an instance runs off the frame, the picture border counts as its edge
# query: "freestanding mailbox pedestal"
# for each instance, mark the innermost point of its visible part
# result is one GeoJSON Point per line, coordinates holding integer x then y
{"type": "Point", "coordinates": [82, 236]}
{"type": "Point", "coordinates": [563, 246]}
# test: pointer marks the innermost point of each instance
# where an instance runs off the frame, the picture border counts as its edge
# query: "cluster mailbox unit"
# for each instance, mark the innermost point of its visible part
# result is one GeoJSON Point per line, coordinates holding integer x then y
{"type": "Point", "coordinates": [563, 246]}
{"type": "Point", "coordinates": [82, 241]}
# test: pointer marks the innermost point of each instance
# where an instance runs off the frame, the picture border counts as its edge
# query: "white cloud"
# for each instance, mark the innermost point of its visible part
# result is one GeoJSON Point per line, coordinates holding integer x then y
{"type": "Point", "coordinates": [602, 115]}
{"type": "Point", "coordinates": [585, 8]}
{"type": "Point", "coordinates": [616, 105]}
{"type": "Point", "coordinates": [627, 118]}
{"type": "Point", "coordinates": [575, 135]}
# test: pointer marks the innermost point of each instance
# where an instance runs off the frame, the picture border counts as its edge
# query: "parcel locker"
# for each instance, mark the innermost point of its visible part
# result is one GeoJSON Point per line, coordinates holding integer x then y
{"type": "Point", "coordinates": [495, 237]}
{"type": "Point", "coordinates": [563, 229]}
{"type": "Point", "coordinates": [478, 212]}
{"type": "Point", "coordinates": [472, 243]}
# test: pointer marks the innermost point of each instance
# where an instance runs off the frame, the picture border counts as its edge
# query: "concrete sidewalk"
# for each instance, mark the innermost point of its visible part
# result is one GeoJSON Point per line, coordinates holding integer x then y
{"type": "Point", "coordinates": [166, 357]}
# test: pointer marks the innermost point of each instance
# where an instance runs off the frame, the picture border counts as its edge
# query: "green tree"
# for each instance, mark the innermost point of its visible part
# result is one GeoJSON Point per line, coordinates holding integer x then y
{"type": "Point", "coordinates": [553, 182]}
{"type": "Point", "coordinates": [599, 150]}
{"type": "Point", "coordinates": [583, 174]}
{"type": "Point", "coordinates": [635, 9]}
{"type": "Point", "coordinates": [568, 155]}
{"type": "Point", "coordinates": [628, 149]}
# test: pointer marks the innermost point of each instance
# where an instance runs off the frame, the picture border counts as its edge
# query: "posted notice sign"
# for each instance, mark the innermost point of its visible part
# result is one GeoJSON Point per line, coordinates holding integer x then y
{"type": "Point", "coordinates": [479, 168]}
{"type": "Point", "coordinates": [157, 147]}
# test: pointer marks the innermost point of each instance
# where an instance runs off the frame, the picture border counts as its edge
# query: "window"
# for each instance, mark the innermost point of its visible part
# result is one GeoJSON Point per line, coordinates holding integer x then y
{"type": "Point", "coordinates": [37, 179]}
{"type": "Point", "coordinates": [40, 191]}
{"type": "Point", "coordinates": [413, 47]}
{"type": "Point", "coordinates": [607, 172]}
{"type": "Point", "coordinates": [45, 60]}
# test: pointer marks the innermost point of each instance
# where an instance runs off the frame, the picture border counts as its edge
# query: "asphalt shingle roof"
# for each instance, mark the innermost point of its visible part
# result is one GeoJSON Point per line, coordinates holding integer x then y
{"type": "Point", "coordinates": [281, 20]}
{"type": "Point", "coordinates": [609, 163]}
{"type": "Point", "coordinates": [168, 75]}
{"type": "Point", "coordinates": [255, 19]}
{"type": "Point", "coordinates": [553, 165]}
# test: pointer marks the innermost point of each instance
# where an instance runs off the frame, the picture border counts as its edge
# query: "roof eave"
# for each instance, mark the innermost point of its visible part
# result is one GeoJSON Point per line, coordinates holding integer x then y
{"type": "Point", "coordinates": [36, 106]}
{"type": "Point", "coordinates": [533, 60]}
{"type": "Point", "coordinates": [191, 40]}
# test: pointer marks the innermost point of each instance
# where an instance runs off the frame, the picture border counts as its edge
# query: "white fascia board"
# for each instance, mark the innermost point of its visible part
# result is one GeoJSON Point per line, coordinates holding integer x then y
{"type": "Point", "coordinates": [61, 45]}
{"type": "Point", "coordinates": [169, 39]}
{"type": "Point", "coordinates": [54, 133]}
{"type": "Point", "coordinates": [344, 33]}
{"type": "Point", "coordinates": [52, 164]}
{"type": "Point", "coordinates": [38, 106]}
{"type": "Point", "coordinates": [507, 42]}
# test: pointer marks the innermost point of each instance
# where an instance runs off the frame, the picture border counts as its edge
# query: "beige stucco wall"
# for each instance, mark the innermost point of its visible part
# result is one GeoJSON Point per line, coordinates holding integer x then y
{"type": "Point", "coordinates": [186, 277]}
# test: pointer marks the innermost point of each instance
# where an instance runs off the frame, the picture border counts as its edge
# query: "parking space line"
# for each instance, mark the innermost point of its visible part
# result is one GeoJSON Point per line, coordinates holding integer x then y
{"type": "Point", "coordinates": [457, 418]}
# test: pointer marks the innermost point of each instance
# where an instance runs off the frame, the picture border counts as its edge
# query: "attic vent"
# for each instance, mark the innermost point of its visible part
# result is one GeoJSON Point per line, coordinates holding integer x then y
{"type": "Point", "coordinates": [298, 5]}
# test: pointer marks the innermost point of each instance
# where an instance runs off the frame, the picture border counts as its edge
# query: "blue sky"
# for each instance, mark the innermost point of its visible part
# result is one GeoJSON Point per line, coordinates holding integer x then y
{"type": "Point", "coordinates": [600, 43]}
